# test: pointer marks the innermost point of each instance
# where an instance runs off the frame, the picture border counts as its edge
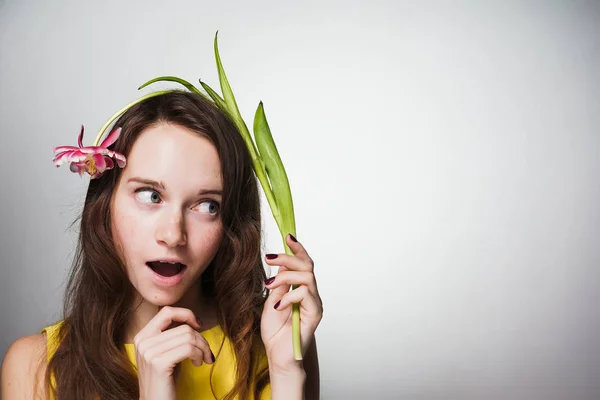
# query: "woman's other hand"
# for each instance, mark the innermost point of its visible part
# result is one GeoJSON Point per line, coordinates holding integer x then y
{"type": "Point", "coordinates": [276, 322]}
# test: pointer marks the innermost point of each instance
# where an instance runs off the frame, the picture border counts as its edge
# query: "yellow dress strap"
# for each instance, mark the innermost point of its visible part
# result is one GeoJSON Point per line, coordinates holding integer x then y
{"type": "Point", "coordinates": [52, 342]}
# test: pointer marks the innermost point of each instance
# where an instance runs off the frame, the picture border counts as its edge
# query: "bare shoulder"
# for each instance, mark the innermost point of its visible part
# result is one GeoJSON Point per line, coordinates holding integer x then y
{"type": "Point", "coordinates": [24, 367]}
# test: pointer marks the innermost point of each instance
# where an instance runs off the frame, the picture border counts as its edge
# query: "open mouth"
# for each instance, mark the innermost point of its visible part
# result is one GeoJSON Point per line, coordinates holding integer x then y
{"type": "Point", "coordinates": [166, 269]}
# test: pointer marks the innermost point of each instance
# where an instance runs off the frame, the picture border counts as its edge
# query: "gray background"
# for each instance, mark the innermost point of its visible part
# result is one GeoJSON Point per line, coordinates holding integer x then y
{"type": "Point", "coordinates": [442, 156]}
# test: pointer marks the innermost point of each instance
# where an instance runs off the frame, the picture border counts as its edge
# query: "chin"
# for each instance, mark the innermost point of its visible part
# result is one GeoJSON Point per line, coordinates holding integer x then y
{"type": "Point", "coordinates": [161, 297]}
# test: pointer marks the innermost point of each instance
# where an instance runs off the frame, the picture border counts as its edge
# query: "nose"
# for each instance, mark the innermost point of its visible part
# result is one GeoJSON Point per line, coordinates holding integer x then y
{"type": "Point", "coordinates": [170, 231]}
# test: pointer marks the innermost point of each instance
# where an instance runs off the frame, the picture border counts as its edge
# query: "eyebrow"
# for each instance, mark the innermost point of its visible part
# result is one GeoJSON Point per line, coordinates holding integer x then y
{"type": "Point", "coordinates": [154, 183]}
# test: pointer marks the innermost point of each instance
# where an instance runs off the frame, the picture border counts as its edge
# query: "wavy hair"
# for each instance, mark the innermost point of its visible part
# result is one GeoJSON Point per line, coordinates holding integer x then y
{"type": "Point", "coordinates": [90, 361]}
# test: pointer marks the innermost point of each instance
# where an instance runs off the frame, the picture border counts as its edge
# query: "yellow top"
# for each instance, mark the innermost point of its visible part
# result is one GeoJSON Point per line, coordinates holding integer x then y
{"type": "Point", "coordinates": [193, 383]}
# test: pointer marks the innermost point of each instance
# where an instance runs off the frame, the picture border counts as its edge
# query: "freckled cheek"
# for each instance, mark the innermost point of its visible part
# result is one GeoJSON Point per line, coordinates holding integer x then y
{"type": "Point", "coordinates": [207, 239]}
{"type": "Point", "coordinates": [131, 232]}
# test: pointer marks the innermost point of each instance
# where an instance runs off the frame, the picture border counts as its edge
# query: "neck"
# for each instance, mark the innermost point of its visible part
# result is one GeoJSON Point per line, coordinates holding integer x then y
{"type": "Point", "coordinates": [144, 311]}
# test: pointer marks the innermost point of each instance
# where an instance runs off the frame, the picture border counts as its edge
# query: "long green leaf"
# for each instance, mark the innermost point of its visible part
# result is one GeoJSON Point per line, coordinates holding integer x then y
{"type": "Point", "coordinates": [234, 112]}
{"type": "Point", "coordinates": [224, 82]}
{"type": "Point", "coordinates": [183, 82]}
{"type": "Point", "coordinates": [215, 96]}
{"type": "Point", "coordinates": [275, 170]}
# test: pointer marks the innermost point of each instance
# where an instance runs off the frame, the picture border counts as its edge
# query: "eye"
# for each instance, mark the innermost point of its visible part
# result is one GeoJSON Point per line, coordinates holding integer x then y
{"type": "Point", "coordinates": [210, 206]}
{"type": "Point", "coordinates": [148, 195]}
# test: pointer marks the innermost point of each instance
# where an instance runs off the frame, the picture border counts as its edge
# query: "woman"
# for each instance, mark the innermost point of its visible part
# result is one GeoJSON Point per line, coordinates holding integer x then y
{"type": "Point", "coordinates": [167, 296]}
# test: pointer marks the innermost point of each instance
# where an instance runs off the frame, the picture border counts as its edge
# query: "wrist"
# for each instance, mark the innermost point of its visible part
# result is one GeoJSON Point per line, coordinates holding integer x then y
{"type": "Point", "coordinates": [289, 369]}
{"type": "Point", "coordinates": [294, 372]}
{"type": "Point", "coordinates": [287, 383]}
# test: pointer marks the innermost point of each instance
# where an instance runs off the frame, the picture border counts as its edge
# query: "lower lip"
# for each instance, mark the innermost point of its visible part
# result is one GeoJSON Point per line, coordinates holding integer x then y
{"type": "Point", "coordinates": [167, 281]}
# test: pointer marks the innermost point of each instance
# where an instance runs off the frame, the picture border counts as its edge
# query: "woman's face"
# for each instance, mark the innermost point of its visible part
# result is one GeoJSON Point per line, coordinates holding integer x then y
{"type": "Point", "coordinates": [166, 211]}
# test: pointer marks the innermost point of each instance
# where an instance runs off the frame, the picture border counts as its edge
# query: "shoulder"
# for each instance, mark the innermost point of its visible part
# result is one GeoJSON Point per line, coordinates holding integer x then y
{"type": "Point", "coordinates": [23, 367]}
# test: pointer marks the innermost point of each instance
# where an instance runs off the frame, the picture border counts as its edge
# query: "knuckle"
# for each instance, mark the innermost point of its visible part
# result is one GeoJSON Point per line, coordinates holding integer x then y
{"type": "Point", "coordinates": [140, 345]}
{"type": "Point", "coordinates": [141, 349]}
{"type": "Point", "coordinates": [205, 347]}
{"type": "Point", "coordinates": [202, 343]}
{"type": "Point", "coordinates": [149, 358]}
{"type": "Point", "coordinates": [189, 348]}
{"type": "Point", "coordinates": [308, 278]}
{"type": "Point", "coordinates": [190, 337]}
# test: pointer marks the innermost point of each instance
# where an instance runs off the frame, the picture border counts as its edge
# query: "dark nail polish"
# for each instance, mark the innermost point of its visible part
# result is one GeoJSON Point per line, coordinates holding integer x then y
{"type": "Point", "coordinates": [212, 356]}
{"type": "Point", "coordinates": [277, 304]}
{"type": "Point", "coordinates": [271, 256]}
{"type": "Point", "coordinates": [270, 280]}
{"type": "Point", "coordinates": [293, 238]}
{"type": "Point", "coordinates": [198, 321]}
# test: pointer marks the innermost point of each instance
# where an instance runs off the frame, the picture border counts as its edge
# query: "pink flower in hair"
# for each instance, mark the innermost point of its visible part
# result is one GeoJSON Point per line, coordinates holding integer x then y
{"type": "Point", "coordinates": [91, 159]}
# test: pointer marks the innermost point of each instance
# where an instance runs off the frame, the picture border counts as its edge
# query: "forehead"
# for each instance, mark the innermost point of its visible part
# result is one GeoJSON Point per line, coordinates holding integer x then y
{"type": "Point", "coordinates": [175, 155]}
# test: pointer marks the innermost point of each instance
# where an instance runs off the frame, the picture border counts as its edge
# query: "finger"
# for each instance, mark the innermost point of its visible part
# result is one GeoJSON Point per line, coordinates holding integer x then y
{"type": "Point", "coordinates": [184, 338]}
{"type": "Point", "coordinates": [279, 291]}
{"type": "Point", "coordinates": [311, 304]}
{"type": "Point", "coordinates": [164, 318]}
{"type": "Point", "coordinates": [157, 340]}
{"type": "Point", "coordinates": [290, 262]}
{"type": "Point", "coordinates": [297, 248]}
{"type": "Point", "coordinates": [164, 336]}
{"type": "Point", "coordinates": [177, 354]}
{"type": "Point", "coordinates": [293, 278]}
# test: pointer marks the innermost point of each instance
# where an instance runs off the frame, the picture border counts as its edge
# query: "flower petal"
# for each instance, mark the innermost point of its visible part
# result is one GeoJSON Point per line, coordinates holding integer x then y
{"type": "Point", "coordinates": [60, 158]}
{"type": "Point", "coordinates": [60, 149]}
{"type": "Point", "coordinates": [110, 139]}
{"type": "Point", "coordinates": [109, 163]}
{"type": "Point", "coordinates": [68, 157]}
{"type": "Point", "coordinates": [120, 159]}
{"type": "Point", "coordinates": [94, 150]}
{"type": "Point", "coordinates": [99, 161]}
{"type": "Point", "coordinates": [77, 167]}
{"type": "Point", "coordinates": [80, 138]}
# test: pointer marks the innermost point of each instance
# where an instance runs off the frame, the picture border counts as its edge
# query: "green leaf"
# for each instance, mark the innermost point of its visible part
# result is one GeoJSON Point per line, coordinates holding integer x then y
{"type": "Point", "coordinates": [183, 82]}
{"type": "Point", "coordinates": [224, 82]}
{"type": "Point", "coordinates": [275, 170]}
{"type": "Point", "coordinates": [215, 96]}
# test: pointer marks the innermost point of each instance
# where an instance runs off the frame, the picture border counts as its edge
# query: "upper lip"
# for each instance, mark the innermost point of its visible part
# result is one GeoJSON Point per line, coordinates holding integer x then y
{"type": "Point", "coordinates": [172, 260]}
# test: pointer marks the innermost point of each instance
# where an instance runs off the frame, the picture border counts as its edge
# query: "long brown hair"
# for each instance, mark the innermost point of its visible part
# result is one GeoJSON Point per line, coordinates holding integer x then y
{"type": "Point", "coordinates": [90, 361]}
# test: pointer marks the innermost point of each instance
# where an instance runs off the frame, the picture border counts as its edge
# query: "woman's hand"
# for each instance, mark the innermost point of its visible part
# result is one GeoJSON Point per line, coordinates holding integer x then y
{"type": "Point", "coordinates": [276, 321]}
{"type": "Point", "coordinates": [160, 349]}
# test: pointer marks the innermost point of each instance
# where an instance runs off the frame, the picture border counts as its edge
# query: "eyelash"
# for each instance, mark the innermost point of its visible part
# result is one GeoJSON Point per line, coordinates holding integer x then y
{"type": "Point", "coordinates": [152, 189]}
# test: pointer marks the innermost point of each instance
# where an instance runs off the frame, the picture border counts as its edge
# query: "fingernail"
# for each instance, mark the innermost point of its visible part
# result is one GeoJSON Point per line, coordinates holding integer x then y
{"type": "Point", "coordinates": [277, 304]}
{"type": "Point", "coordinates": [269, 281]}
{"type": "Point", "coordinates": [271, 256]}
{"type": "Point", "coordinates": [198, 321]}
{"type": "Point", "coordinates": [212, 356]}
{"type": "Point", "coordinates": [293, 238]}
